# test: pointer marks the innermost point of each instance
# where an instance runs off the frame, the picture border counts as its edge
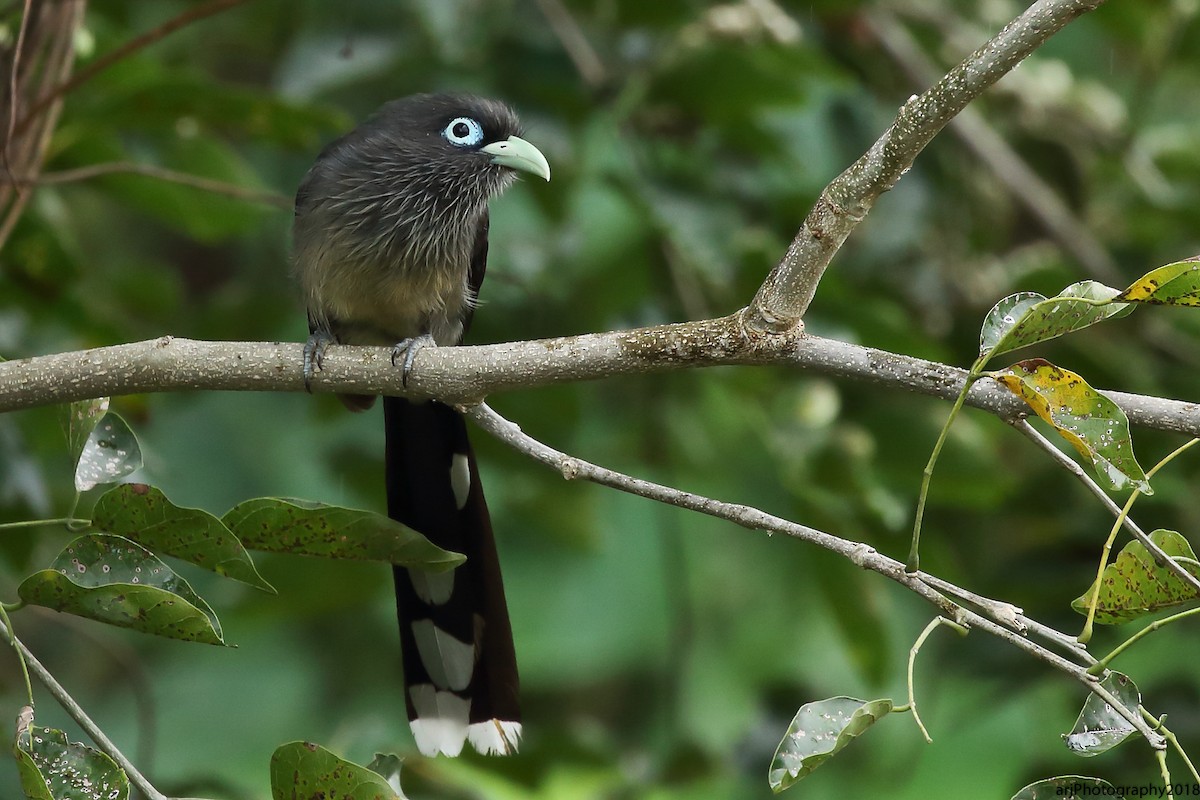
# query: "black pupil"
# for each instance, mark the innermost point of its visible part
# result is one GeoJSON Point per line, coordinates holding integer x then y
{"type": "Point", "coordinates": [461, 130]}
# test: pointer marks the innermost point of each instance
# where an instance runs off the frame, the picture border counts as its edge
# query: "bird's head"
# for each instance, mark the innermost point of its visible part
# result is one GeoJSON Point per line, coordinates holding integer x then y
{"type": "Point", "coordinates": [411, 184]}
{"type": "Point", "coordinates": [454, 142]}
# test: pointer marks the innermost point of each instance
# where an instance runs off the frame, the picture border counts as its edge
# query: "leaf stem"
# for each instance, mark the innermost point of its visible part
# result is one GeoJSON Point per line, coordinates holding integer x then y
{"type": "Point", "coordinates": [1160, 724]}
{"type": "Point", "coordinates": [20, 656]}
{"type": "Point", "coordinates": [79, 715]}
{"type": "Point", "coordinates": [37, 523]}
{"type": "Point", "coordinates": [1103, 663]}
{"type": "Point", "coordinates": [934, 623]}
{"type": "Point", "coordinates": [913, 562]}
{"type": "Point", "coordinates": [1086, 634]}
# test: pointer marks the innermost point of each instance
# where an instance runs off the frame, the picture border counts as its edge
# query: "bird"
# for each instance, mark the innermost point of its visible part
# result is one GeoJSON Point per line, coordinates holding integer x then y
{"type": "Point", "coordinates": [389, 247]}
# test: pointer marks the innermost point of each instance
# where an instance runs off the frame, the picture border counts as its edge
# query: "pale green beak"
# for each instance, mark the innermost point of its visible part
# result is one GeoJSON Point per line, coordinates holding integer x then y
{"type": "Point", "coordinates": [516, 153]}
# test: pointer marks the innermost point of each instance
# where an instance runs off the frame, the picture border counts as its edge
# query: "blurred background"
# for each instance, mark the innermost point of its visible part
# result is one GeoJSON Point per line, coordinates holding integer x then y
{"type": "Point", "coordinates": [662, 653]}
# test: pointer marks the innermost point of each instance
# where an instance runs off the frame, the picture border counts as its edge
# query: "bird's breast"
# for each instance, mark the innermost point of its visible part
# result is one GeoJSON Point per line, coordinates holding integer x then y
{"type": "Point", "coordinates": [378, 276]}
{"type": "Point", "coordinates": [384, 304]}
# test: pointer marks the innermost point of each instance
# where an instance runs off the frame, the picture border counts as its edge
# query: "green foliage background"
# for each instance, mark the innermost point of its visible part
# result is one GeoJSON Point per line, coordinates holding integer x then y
{"type": "Point", "coordinates": [662, 653]}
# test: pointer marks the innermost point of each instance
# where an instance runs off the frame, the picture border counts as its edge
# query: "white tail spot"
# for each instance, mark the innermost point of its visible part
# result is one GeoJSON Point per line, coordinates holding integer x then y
{"type": "Point", "coordinates": [433, 588]}
{"type": "Point", "coordinates": [449, 662]}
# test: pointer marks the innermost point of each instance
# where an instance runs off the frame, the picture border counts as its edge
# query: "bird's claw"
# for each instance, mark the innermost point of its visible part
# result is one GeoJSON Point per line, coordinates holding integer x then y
{"type": "Point", "coordinates": [314, 355]}
{"type": "Point", "coordinates": [408, 349]}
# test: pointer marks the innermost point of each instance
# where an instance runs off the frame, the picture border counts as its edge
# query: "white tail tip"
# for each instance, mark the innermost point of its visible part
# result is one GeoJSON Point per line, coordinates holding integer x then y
{"type": "Point", "coordinates": [495, 737]}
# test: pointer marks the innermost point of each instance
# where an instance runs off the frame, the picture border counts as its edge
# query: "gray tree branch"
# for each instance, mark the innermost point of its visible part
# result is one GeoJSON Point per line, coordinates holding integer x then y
{"type": "Point", "coordinates": [1006, 166]}
{"type": "Point", "coordinates": [788, 290]}
{"type": "Point", "coordinates": [466, 375]}
{"type": "Point", "coordinates": [1003, 620]}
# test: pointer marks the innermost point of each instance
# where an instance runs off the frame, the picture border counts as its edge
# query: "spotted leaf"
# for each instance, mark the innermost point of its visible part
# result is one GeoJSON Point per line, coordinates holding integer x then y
{"type": "Point", "coordinates": [304, 769]}
{"type": "Point", "coordinates": [52, 768]}
{"type": "Point", "coordinates": [1175, 284]}
{"type": "Point", "coordinates": [145, 515]}
{"type": "Point", "coordinates": [1094, 425]}
{"type": "Point", "coordinates": [818, 731]}
{"type": "Point", "coordinates": [1099, 727]}
{"type": "Point", "coordinates": [1135, 585]}
{"type": "Point", "coordinates": [1027, 318]}
{"type": "Point", "coordinates": [109, 453]}
{"type": "Point", "coordinates": [314, 529]}
{"type": "Point", "coordinates": [113, 580]}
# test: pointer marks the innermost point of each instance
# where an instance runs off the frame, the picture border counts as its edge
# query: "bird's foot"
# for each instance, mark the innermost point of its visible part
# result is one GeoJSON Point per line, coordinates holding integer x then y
{"type": "Point", "coordinates": [314, 355]}
{"type": "Point", "coordinates": [407, 350]}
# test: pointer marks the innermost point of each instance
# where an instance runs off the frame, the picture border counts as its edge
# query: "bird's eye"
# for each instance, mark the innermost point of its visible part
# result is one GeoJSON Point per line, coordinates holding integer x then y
{"type": "Point", "coordinates": [463, 132]}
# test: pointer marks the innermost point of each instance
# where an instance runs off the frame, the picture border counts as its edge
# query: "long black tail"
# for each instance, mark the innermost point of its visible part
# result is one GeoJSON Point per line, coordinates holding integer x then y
{"type": "Point", "coordinates": [460, 669]}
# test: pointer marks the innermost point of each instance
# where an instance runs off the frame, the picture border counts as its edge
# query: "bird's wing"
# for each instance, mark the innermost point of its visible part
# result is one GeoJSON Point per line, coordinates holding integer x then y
{"type": "Point", "coordinates": [479, 256]}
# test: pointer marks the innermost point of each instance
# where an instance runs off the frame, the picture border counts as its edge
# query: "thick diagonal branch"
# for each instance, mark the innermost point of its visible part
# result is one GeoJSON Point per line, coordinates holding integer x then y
{"type": "Point", "coordinates": [785, 295]}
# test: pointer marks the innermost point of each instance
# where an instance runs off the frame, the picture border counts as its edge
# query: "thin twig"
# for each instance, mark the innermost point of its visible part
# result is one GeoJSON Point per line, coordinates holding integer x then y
{"type": "Point", "coordinates": [14, 69]}
{"type": "Point", "coordinates": [105, 61]}
{"type": "Point", "coordinates": [81, 718]}
{"type": "Point", "coordinates": [935, 623]}
{"type": "Point", "coordinates": [262, 196]}
{"type": "Point", "coordinates": [1012, 617]}
{"type": "Point", "coordinates": [786, 293]}
{"type": "Point", "coordinates": [573, 41]}
{"type": "Point", "coordinates": [860, 554]}
{"type": "Point", "coordinates": [1159, 724]}
{"type": "Point", "coordinates": [24, 152]}
{"type": "Point", "coordinates": [1069, 464]}
{"type": "Point", "coordinates": [1024, 185]}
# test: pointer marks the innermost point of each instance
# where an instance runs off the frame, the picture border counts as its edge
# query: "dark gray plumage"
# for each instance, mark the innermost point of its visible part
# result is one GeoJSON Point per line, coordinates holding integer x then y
{"type": "Point", "coordinates": [390, 247]}
{"type": "Point", "coordinates": [387, 220]}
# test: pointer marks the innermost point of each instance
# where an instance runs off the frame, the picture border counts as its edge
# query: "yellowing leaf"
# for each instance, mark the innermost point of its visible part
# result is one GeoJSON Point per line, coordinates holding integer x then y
{"type": "Point", "coordinates": [1175, 284]}
{"type": "Point", "coordinates": [1135, 585]}
{"type": "Point", "coordinates": [1094, 425]}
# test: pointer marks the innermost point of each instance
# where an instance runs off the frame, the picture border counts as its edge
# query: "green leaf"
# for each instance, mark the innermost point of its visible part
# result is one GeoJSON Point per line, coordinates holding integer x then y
{"type": "Point", "coordinates": [51, 768]}
{"type": "Point", "coordinates": [1026, 318]}
{"type": "Point", "coordinates": [1175, 284]}
{"type": "Point", "coordinates": [306, 770]}
{"type": "Point", "coordinates": [145, 515]}
{"type": "Point", "coordinates": [1094, 425]}
{"type": "Point", "coordinates": [1066, 787]}
{"type": "Point", "coordinates": [276, 525]}
{"type": "Point", "coordinates": [110, 453]}
{"type": "Point", "coordinates": [818, 731]}
{"type": "Point", "coordinates": [33, 783]}
{"type": "Point", "coordinates": [113, 580]}
{"type": "Point", "coordinates": [1099, 727]}
{"type": "Point", "coordinates": [1135, 585]}
{"type": "Point", "coordinates": [1003, 317]}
